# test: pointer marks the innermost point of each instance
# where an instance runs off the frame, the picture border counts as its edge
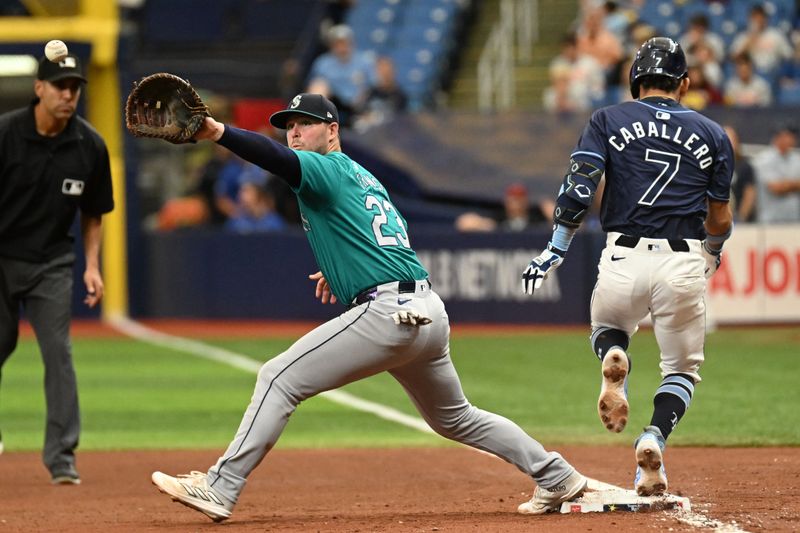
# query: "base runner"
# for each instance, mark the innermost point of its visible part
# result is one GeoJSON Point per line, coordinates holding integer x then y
{"type": "Point", "coordinates": [665, 208]}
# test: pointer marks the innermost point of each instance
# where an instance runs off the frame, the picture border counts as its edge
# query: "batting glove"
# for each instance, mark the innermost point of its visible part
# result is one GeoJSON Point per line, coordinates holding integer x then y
{"type": "Point", "coordinates": [540, 268]}
{"type": "Point", "coordinates": [713, 259]}
{"type": "Point", "coordinates": [410, 317]}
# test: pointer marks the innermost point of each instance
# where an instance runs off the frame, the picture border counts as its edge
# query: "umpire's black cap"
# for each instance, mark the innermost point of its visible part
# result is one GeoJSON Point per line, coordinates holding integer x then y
{"type": "Point", "coordinates": [314, 105]}
{"type": "Point", "coordinates": [69, 67]}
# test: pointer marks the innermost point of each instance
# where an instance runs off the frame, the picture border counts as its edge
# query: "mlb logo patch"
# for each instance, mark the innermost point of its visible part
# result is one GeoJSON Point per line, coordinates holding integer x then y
{"type": "Point", "coordinates": [68, 62]}
{"type": "Point", "coordinates": [72, 187]}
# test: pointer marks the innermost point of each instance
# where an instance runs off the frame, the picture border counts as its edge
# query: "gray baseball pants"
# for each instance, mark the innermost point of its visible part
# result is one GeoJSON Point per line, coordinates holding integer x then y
{"type": "Point", "coordinates": [362, 342]}
{"type": "Point", "coordinates": [45, 292]}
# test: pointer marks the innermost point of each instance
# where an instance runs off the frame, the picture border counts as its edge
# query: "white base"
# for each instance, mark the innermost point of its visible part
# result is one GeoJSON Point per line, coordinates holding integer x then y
{"type": "Point", "coordinates": [602, 498]}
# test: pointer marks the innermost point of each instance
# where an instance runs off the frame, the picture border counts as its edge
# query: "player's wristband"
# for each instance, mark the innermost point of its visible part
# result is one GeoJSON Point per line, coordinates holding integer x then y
{"type": "Point", "coordinates": [562, 237]}
{"type": "Point", "coordinates": [716, 241]}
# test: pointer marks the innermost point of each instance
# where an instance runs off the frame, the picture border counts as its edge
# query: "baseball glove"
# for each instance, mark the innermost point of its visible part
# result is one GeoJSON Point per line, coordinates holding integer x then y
{"type": "Point", "coordinates": [164, 106]}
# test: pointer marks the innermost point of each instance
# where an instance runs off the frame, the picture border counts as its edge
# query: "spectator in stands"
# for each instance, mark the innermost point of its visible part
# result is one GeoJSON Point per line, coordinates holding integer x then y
{"type": "Point", "coordinates": [768, 47]}
{"type": "Point", "coordinates": [343, 74]}
{"type": "Point", "coordinates": [701, 93]}
{"type": "Point", "coordinates": [617, 19]}
{"type": "Point", "coordinates": [577, 80]}
{"type": "Point", "coordinates": [384, 100]}
{"type": "Point", "coordinates": [702, 54]}
{"type": "Point", "coordinates": [217, 168]}
{"type": "Point", "coordinates": [640, 32]}
{"type": "Point", "coordinates": [561, 97]}
{"type": "Point", "coordinates": [743, 184]}
{"type": "Point", "coordinates": [226, 187]}
{"type": "Point", "coordinates": [699, 32]}
{"type": "Point", "coordinates": [212, 200]}
{"type": "Point", "coordinates": [256, 209]}
{"type": "Point", "coordinates": [617, 85]}
{"type": "Point", "coordinates": [746, 88]}
{"type": "Point", "coordinates": [778, 178]}
{"type": "Point", "coordinates": [594, 39]}
{"type": "Point", "coordinates": [517, 214]}
{"type": "Point", "coordinates": [790, 74]}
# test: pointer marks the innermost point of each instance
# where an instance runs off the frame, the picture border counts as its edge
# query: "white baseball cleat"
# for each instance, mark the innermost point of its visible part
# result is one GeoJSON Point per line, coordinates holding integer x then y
{"type": "Point", "coordinates": [192, 490]}
{"type": "Point", "coordinates": [550, 500]}
{"type": "Point", "coordinates": [612, 405]}
{"type": "Point", "coordinates": [651, 478]}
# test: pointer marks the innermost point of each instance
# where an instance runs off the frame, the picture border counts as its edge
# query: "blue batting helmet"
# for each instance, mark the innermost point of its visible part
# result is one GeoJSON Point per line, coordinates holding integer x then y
{"type": "Point", "coordinates": [659, 56]}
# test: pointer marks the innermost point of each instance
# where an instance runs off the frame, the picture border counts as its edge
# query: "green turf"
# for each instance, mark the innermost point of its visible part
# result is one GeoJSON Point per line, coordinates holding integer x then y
{"type": "Point", "coordinates": [134, 395]}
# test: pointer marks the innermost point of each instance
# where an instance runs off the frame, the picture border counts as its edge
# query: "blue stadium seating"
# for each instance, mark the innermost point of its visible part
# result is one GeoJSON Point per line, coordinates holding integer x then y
{"type": "Point", "coordinates": [789, 96]}
{"type": "Point", "coordinates": [416, 34]}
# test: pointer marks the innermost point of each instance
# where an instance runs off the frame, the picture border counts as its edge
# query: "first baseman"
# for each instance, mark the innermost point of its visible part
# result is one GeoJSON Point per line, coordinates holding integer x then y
{"type": "Point", "coordinates": [665, 209]}
{"type": "Point", "coordinates": [394, 321]}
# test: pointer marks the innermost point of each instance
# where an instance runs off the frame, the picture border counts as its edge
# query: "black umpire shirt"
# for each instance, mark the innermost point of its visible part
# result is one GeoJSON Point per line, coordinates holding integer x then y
{"type": "Point", "coordinates": [44, 181]}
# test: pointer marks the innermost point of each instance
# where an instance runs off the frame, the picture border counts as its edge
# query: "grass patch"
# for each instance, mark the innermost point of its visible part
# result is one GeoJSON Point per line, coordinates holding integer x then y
{"type": "Point", "coordinates": [136, 396]}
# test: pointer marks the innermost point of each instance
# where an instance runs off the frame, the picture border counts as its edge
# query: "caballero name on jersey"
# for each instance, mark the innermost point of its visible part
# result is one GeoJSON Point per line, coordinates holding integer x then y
{"type": "Point", "coordinates": [662, 131]}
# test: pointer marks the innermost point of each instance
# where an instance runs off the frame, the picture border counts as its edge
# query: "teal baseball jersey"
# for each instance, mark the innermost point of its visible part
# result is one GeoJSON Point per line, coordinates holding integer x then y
{"type": "Point", "coordinates": [358, 237]}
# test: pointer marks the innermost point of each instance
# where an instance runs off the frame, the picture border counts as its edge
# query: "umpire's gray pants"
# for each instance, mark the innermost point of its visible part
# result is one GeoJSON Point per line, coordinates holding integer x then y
{"type": "Point", "coordinates": [45, 292]}
{"type": "Point", "coordinates": [359, 343]}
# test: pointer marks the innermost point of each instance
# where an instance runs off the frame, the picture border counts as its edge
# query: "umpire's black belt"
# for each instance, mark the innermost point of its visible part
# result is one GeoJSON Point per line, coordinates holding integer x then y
{"type": "Point", "coordinates": [677, 245]}
{"type": "Point", "coordinates": [403, 287]}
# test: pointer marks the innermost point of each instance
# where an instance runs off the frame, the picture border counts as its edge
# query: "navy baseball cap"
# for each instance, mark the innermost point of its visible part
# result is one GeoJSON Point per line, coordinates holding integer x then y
{"type": "Point", "coordinates": [69, 67]}
{"type": "Point", "coordinates": [313, 105]}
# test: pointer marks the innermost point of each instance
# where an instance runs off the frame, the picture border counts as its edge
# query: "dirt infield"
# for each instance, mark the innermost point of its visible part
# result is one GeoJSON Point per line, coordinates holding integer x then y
{"type": "Point", "coordinates": [406, 490]}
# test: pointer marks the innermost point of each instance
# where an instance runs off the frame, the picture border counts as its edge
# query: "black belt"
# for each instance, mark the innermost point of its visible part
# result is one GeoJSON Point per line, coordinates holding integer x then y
{"type": "Point", "coordinates": [367, 295]}
{"type": "Point", "coordinates": [677, 245]}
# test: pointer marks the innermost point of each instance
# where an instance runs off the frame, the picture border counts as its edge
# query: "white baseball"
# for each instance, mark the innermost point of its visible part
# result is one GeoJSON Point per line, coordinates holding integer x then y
{"type": "Point", "coordinates": [55, 50]}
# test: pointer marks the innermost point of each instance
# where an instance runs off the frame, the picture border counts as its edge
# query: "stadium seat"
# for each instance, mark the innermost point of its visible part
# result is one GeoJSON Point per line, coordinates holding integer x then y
{"type": "Point", "coordinates": [789, 95]}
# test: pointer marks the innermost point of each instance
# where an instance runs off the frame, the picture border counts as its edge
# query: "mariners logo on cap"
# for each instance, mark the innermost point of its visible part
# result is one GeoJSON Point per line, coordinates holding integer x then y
{"type": "Point", "coordinates": [296, 102]}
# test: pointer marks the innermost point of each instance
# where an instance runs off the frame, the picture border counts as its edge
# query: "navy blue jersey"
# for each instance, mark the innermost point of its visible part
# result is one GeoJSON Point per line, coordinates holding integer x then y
{"type": "Point", "coordinates": [661, 162]}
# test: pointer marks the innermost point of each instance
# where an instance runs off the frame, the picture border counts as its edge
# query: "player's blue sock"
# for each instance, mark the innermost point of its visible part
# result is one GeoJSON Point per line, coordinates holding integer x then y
{"type": "Point", "coordinates": [671, 401]}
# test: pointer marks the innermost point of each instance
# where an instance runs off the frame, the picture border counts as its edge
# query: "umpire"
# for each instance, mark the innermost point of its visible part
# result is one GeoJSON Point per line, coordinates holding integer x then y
{"type": "Point", "coordinates": [52, 164]}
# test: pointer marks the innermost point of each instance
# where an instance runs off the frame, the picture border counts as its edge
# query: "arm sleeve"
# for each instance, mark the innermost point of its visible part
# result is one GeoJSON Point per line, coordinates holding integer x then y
{"type": "Point", "coordinates": [264, 152]}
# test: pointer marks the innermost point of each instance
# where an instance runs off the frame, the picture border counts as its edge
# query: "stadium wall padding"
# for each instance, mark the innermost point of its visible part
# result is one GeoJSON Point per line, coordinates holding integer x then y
{"type": "Point", "coordinates": [215, 274]}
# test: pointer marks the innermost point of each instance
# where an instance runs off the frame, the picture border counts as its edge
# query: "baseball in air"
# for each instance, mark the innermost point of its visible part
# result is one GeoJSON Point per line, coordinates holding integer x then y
{"type": "Point", "coordinates": [55, 50]}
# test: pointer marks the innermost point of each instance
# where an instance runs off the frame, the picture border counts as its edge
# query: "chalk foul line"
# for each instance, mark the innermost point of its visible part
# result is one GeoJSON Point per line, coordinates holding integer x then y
{"type": "Point", "coordinates": [143, 333]}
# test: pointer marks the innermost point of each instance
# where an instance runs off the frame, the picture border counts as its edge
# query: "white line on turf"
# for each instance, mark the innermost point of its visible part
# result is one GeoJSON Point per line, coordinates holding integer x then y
{"type": "Point", "coordinates": [143, 333]}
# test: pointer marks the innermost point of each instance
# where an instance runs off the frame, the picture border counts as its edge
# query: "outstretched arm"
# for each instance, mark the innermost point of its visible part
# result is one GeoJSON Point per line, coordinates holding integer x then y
{"type": "Point", "coordinates": [255, 148]}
